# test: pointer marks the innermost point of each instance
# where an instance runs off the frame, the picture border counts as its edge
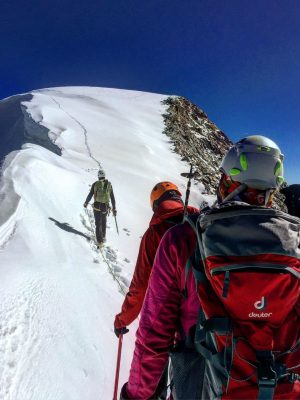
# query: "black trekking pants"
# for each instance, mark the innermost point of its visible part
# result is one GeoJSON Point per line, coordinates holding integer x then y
{"type": "Point", "coordinates": [187, 374]}
{"type": "Point", "coordinates": [162, 387]}
{"type": "Point", "coordinates": [100, 220]}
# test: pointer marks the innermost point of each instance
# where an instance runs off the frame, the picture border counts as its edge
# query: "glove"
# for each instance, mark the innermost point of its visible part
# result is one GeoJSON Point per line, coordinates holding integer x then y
{"type": "Point", "coordinates": [114, 211]}
{"type": "Point", "coordinates": [119, 331]}
{"type": "Point", "coordinates": [123, 394]}
{"type": "Point", "coordinates": [85, 205]}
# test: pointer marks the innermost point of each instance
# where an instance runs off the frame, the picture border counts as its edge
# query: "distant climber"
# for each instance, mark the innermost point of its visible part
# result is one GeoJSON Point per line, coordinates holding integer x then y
{"type": "Point", "coordinates": [102, 191]}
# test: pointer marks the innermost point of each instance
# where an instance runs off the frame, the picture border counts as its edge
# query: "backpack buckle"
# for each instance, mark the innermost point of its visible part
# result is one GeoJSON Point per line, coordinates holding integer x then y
{"type": "Point", "coordinates": [293, 377]}
{"type": "Point", "coordinates": [266, 374]}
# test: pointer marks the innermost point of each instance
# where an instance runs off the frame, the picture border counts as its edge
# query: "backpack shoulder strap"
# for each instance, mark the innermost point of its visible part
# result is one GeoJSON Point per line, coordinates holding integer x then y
{"type": "Point", "coordinates": [194, 263]}
{"type": "Point", "coordinates": [96, 187]}
{"type": "Point", "coordinates": [108, 185]}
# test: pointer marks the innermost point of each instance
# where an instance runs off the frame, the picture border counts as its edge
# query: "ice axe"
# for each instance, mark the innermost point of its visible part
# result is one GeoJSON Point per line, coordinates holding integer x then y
{"type": "Point", "coordinates": [188, 175]}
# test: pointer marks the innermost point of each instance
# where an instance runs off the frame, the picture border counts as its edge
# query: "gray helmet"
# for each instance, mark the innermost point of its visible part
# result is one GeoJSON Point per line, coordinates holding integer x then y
{"type": "Point", "coordinates": [101, 174]}
{"type": "Point", "coordinates": [255, 161]}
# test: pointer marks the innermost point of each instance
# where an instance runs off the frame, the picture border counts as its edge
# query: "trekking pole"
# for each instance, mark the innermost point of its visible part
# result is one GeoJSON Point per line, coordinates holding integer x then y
{"type": "Point", "coordinates": [116, 224]}
{"type": "Point", "coordinates": [118, 366]}
{"type": "Point", "coordinates": [188, 190]}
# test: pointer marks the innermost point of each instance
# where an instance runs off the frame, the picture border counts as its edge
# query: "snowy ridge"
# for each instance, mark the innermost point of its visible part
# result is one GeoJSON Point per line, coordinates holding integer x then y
{"type": "Point", "coordinates": [58, 293]}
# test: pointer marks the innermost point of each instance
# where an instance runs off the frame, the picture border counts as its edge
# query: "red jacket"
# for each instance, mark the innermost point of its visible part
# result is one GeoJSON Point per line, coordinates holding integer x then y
{"type": "Point", "coordinates": [168, 213]}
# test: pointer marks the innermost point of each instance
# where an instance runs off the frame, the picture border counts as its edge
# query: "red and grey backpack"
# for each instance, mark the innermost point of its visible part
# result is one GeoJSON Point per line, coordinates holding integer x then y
{"type": "Point", "coordinates": [247, 270]}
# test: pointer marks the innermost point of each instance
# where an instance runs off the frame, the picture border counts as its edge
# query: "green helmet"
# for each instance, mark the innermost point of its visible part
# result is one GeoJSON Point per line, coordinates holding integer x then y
{"type": "Point", "coordinates": [256, 162]}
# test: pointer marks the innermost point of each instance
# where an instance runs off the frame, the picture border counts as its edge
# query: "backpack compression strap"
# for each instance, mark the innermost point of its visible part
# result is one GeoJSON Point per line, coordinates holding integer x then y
{"type": "Point", "coordinates": [204, 341]}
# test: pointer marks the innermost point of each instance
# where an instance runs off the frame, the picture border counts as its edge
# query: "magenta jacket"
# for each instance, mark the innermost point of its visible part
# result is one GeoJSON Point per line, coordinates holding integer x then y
{"type": "Point", "coordinates": [163, 308]}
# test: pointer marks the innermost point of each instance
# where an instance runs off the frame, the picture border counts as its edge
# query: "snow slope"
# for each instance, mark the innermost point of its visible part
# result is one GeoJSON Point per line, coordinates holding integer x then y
{"type": "Point", "coordinates": [58, 295]}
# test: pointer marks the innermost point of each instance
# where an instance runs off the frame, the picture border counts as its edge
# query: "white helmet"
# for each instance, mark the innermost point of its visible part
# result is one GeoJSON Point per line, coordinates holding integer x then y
{"type": "Point", "coordinates": [256, 162]}
{"type": "Point", "coordinates": [101, 174]}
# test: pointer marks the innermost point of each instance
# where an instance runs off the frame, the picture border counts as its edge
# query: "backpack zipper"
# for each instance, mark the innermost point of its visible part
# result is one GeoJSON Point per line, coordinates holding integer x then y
{"type": "Point", "coordinates": [226, 284]}
{"type": "Point", "coordinates": [227, 269]}
{"type": "Point", "coordinates": [265, 266]}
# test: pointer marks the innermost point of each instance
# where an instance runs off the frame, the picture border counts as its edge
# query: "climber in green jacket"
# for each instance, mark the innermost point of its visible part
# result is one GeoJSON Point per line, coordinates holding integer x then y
{"type": "Point", "coordinates": [103, 193]}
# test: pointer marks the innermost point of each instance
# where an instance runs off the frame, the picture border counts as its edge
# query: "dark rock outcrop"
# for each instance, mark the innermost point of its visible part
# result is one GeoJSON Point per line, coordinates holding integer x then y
{"type": "Point", "coordinates": [196, 139]}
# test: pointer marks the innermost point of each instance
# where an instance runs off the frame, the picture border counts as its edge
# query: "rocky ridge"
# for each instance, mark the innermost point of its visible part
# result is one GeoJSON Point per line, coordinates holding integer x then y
{"type": "Point", "coordinates": [196, 139]}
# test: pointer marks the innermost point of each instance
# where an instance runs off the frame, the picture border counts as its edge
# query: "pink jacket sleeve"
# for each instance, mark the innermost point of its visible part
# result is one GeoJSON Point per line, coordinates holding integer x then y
{"type": "Point", "coordinates": [159, 319]}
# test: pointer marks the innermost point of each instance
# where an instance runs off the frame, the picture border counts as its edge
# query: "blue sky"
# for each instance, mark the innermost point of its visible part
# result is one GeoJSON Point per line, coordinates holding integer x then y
{"type": "Point", "coordinates": [239, 60]}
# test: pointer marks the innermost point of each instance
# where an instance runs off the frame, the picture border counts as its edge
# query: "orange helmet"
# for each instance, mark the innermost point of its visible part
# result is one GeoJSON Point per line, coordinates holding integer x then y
{"type": "Point", "coordinates": [160, 189]}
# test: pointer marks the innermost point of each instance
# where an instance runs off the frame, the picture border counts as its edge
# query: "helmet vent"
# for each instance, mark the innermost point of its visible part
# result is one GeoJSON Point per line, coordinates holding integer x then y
{"type": "Point", "coordinates": [278, 168]}
{"type": "Point", "coordinates": [234, 171]}
{"type": "Point", "coordinates": [263, 148]}
{"type": "Point", "coordinates": [243, 162]}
